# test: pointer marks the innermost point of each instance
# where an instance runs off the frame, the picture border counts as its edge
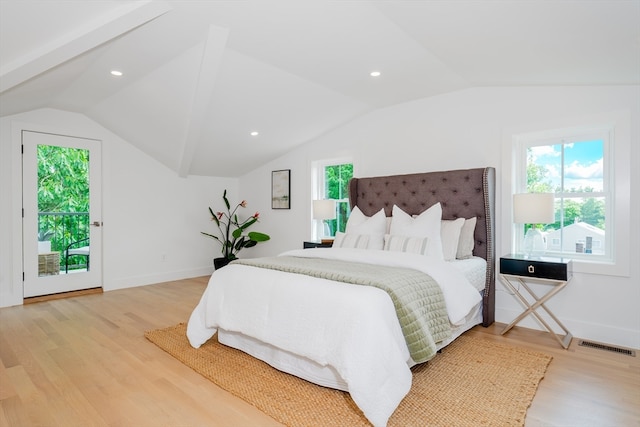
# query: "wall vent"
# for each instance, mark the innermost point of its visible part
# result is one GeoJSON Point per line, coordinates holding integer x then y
{"type": "Point", "coordinates": [606, 347]}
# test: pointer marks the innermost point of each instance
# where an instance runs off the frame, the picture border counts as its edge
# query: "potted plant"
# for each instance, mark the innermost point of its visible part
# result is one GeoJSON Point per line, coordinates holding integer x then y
{"type": "Point", "coordinates": [44, 241]}
{"type": "Point", "coordinates": [233, 236]}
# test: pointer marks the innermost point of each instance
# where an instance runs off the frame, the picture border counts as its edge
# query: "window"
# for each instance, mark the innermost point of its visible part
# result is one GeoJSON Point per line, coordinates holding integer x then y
{"type": "Point", "coordinates": [574, 165]}
{"type": "Point", "coordinates": [331, 179]}
{"type": "Point", "coordinates": [544, 144]}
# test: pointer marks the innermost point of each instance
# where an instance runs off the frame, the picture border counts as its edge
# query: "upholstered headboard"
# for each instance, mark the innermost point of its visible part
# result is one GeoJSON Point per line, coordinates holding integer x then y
{"type": "Point", "coordinates": [463, 193]}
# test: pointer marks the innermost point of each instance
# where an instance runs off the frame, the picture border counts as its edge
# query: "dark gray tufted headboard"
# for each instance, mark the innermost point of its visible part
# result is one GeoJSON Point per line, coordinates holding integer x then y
{"type": "Point", "coordinates": [463, 193]}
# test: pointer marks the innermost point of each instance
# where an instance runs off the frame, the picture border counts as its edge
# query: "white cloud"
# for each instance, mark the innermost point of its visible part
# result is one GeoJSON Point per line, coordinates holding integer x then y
{"type": "Point", "coordinates": [581, 171]}
{"type": "Point", "coordinates": [544, 150]}
{"type": "Point", "coordinates": [553, 173]}
{"type": "Point", "coordinates": [579, 175]}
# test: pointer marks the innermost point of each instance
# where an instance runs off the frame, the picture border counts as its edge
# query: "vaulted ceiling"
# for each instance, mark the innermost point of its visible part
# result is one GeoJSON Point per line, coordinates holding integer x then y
{"type": "Point", "coordinates": [199, 76]}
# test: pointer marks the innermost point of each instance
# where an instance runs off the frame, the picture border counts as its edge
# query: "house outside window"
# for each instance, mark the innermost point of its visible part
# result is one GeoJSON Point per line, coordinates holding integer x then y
{"type": "Point", "coordinates": [574, 166]}
{"type": "Point", "coordinates": [331, 181]}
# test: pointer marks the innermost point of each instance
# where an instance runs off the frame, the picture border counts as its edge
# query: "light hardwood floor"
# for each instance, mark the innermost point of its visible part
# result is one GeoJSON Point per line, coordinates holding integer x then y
{"type": "Point", "coordinates": [83, 361]}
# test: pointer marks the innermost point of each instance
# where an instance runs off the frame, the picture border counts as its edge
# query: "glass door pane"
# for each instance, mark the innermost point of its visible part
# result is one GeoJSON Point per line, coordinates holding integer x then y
{"type": "Point", "coordinates": [63, 210]}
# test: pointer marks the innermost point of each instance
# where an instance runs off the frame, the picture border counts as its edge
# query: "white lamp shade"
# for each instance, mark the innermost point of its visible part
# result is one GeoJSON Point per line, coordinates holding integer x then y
{"type": "Point", "coordinates": [533, 208]}
{"type": "Point", "coordinates": [324, 209]}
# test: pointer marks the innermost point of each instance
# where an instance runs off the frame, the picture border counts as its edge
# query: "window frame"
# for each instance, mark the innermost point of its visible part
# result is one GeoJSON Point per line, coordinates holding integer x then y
{"type": "Point", "coordinates": [318, 188]}
{"type": "Point", "coordinates": [619, 123]}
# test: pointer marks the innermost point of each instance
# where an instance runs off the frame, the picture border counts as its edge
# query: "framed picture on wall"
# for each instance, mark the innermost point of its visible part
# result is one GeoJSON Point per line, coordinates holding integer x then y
{"type": "Point", "coordinates": [281, 189]}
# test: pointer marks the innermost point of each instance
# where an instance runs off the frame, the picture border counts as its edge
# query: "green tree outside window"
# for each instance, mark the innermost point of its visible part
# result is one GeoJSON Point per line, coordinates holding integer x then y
{"type": "Point", "coordinates": [336, 179]}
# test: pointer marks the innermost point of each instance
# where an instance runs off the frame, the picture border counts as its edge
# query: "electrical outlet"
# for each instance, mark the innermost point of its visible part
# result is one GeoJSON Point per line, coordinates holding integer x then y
{"type": "Point", "coordinates": [163, 257]}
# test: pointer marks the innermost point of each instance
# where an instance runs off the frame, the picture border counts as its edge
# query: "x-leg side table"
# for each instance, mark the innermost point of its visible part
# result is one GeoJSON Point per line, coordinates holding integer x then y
{"type": "Point", "coordinates": [557, 286]}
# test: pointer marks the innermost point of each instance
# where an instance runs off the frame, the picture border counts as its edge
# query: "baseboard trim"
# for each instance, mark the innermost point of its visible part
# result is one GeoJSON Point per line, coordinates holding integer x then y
{"type": "Point", "coordinates": [607, 334]}
{"type": "Point", "coordinates": [135, 281]}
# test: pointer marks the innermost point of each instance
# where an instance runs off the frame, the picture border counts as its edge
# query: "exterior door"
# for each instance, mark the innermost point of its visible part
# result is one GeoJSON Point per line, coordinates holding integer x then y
{"type": "Point", "coordinates": [62, 213]}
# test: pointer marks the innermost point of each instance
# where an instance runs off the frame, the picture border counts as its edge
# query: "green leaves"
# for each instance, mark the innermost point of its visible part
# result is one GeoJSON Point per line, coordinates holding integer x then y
{"type": "Point", "coordinates": [248, 223]}
{"type": "Point", "coordinates": [214, 217]}
{"type": "Point", "coordinates": [63, 179]}
{"type": "Point", "coordinates": [63, 195]}
{"type": "Point", "coordinates": [226, 201]}
{"type": "Point", "coordinates": [211, 235]}
{"type": "Point", "coordinates": [258, 237]}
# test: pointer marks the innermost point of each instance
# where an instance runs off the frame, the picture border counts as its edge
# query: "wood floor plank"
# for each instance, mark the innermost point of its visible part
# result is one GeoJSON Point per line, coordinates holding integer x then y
{"type": "Point", "coordinates": [582, 386]}
{"type": "Point", "coordinates": [83, 361]}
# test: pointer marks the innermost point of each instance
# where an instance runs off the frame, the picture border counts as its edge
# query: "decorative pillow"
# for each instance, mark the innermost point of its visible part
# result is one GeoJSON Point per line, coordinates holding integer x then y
{"type": "Point", "coordinates": [467, 239]}
{"type": "Point", "coordinates": [427, 224]}
{"type": "Point", "coordinates": [450, 234]}
{"type": "Point", "coordinates": [358, 241]}
{"type": "Point", "coordinates": [414, 245]}
{"type": "Point", "coordinates": [358, 223]}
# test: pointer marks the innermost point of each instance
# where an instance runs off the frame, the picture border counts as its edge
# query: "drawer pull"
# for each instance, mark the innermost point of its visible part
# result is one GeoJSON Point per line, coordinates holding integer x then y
{"type": "Point", "coordinates": [531, 269]}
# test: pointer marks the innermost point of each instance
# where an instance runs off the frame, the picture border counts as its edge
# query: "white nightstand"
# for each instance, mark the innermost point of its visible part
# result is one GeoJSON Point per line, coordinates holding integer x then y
{"type": "Point", "coordinates": [555, 272]}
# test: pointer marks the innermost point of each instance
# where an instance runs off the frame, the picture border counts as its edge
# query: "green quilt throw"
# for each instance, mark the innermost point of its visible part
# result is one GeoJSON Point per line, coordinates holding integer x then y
{"type": "Point", "coordinates": [417, 298]}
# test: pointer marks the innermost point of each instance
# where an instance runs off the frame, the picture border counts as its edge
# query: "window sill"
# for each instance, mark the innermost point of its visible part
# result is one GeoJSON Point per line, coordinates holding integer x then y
{"type": "Point", "coordinates": [601, 267]}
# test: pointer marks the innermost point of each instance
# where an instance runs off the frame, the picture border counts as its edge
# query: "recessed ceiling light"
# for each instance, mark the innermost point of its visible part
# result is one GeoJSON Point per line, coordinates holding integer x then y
{"type": "Point", "coordinates": [375, 74]}
{"type": "Point", "coordinates": [116, 73]}
{"type": "Point", "coordinates": [254, 133]}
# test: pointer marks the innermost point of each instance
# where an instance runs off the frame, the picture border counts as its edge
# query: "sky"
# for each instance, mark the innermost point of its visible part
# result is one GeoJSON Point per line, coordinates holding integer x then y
{"type": "Point", "coordinates": [583, 163]}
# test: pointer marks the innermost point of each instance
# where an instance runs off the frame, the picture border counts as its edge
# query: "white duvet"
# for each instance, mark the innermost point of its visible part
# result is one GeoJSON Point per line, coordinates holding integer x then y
{"type": "Point", "coordinates": [352, 328]}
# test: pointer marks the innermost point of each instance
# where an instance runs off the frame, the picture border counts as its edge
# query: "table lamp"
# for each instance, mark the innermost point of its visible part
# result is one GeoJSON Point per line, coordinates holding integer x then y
{"type": "Point", "coordinates": [533, 208]}
{"type": "Point", "coordinates": [324, 210]}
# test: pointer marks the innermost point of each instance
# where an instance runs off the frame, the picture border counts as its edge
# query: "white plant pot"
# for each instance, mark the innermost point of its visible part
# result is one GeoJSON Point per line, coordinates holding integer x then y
{"type": "Point", "coordinates": [44, 246]}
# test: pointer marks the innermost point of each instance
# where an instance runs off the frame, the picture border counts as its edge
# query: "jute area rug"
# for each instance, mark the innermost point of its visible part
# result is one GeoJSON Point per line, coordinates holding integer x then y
{"type": "Point", "coordinates": [473, 382]}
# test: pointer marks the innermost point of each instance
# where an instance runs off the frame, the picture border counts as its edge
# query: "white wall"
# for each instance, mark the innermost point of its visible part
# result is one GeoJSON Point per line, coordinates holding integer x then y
{"type": "Point", "coordinates": [462, 130]}
{"type": "Point", "coordinates": [152, 218]}
{"type": "Point", "coordinates": [149, 211]}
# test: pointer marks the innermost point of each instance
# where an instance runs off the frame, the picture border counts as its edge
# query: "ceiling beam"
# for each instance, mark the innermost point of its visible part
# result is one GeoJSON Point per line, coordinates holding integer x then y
{"type": "Point", "coordinates": [85, 38]}
{"type": "Point", "coordinates": [212, 52]}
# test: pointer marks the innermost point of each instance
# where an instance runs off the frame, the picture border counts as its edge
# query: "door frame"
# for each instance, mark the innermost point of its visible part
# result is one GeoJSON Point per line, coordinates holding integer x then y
{"type": "Point", "coordinates": [17, 128]}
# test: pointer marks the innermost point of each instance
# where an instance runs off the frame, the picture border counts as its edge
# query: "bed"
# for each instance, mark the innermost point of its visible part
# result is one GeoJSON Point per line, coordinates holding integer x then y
{"type": "Point", "coordinates": [305, 321]}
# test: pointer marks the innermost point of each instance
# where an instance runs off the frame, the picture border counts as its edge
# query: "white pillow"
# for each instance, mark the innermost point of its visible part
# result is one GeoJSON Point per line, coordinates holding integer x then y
{"type": "Point", "coordinates": [414, 245]}
{"type": "Point", "coordinates": [358, 241]}
{"type": "Point", "coordinates": [358, 223]}
{"type": "Point", "coordinates": [450, 234]}
{"type": "Point", "coordinates": [467, 239]}
{"type": "Point", "coordinates": [427, 224]}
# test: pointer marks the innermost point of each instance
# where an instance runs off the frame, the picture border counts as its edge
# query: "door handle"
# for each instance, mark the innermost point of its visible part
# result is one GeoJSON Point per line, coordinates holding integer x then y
{"type": "Point", "coordinates": [96, 223]}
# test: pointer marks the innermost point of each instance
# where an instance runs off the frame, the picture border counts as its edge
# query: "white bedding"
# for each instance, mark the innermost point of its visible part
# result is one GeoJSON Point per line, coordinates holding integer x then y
{"type": "Point", "coordinates": [350, 329]}
{"type": "Point", "coordinates": [311, 371]}
{"type": "Point", "coordinates": [474, 269]}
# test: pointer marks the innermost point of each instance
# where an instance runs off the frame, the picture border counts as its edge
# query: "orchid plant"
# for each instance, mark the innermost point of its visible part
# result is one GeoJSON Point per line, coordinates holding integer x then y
{"type": "Point", "coordinates": [232, 231]}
